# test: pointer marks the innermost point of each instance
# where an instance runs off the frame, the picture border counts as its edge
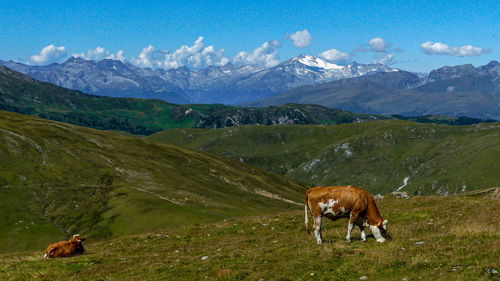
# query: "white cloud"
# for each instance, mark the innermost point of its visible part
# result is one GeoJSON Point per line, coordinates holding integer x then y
{"type": "Point", "coordinates": [301, 38]}
{"type": "Point", "coordinates": [378, 44]}
{"type": "Point", "coordinates": [387, 59]}
{"type": "Point", "coordinates": [439, 48]}
{"type": "Point", "coordinates": [266, 55]}
{"type": "Point", "coordinates": [335, 56]}
{"type": "Point", "coordinates": [195, 56]}
{"type": "Point", "coordinates": [100, 53]}
{"type": "Point", "coordinates": [120, 55]}
{"type": "Point", "coordinates": [146, 58]}
{"type": "Point", "coordinates": [49, 54]}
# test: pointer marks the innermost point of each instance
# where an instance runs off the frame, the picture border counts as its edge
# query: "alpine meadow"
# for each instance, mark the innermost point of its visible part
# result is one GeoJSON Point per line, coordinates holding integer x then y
{"type": "Point", "coordinates": [233, 140]}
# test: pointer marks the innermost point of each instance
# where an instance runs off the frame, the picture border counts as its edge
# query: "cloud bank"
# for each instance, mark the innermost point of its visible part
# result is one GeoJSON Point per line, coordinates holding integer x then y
{"type": "Point", "coordinates": [265, 55]}
{"type": "Point", "coordinates": [195, 56]}
{"type": "Point", "coordinates": [438, 48]}
{"type": "Point", "coordinates": [100, 53]}
{"type": "Point", "coordinates": [49, 54]}
{"type": "Point", "coordinates": [301, 38]}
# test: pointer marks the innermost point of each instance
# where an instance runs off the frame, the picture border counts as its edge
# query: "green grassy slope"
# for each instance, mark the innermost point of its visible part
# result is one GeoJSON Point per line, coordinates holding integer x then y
{"type": "Point", "coordinates": [376, 155]}
{"type": "Point", "coordinates": [459, 241]}
{"type": "Point", "coordinates": [58, 179]}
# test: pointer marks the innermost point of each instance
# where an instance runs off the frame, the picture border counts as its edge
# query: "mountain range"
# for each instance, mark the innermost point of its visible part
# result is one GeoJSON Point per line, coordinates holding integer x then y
{"type": "Point", "coordinates": [452, 91]}
{"type": "Point", "coordinates": [228, 84]}
{"type": "Point", "coordinates": [462, 90]}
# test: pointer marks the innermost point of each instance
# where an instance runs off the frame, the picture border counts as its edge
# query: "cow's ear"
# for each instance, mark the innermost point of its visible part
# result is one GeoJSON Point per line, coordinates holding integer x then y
{"type": "Point", "coordinates": [385, 222]}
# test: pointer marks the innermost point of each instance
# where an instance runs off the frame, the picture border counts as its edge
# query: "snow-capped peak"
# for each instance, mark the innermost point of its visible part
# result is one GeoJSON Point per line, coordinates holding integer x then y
{"type": "Point", "coordinates": [317, 62]}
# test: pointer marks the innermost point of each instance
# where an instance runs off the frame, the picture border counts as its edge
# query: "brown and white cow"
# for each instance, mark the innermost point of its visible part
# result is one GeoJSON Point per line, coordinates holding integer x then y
{"type": "Point", "coordinates": [67, 248]}
{"type": "Point", "coordinates": [350, 202]}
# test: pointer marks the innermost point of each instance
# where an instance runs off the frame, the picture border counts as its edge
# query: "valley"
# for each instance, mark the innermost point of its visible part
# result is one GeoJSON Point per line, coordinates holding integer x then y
{"type": "Point", "coordinates": [22, 94]}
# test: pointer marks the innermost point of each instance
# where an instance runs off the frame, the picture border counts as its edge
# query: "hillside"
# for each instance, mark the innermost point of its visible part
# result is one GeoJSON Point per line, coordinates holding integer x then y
{"type": "Point", "coordinates": [58, 179]}
{"type": "Point", "coordinates": [434, 238]}
{"type": "Point", "coordinates": [376, 155]}
{"type": "Point", "coordinates": [22, 94]}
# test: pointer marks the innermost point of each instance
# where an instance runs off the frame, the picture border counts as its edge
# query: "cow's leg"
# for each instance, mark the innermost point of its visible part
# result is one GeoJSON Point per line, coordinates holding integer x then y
{"type": "Point", "coordinates": [361, 226]}
{"type": "Point", "coordinates": [363, 235]}
{"type": "Point", "coordinates": [352, 219]}
{"type": "Point", "coordinates": [317, 229]}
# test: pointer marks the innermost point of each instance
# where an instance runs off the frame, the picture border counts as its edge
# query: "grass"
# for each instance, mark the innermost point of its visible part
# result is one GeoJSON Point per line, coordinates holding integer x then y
{"type": "Point", "coordinates": [377, 155]}
{"type": "Point", "coordinates": [58, 179]}
{"type": "Point", "coordinates": [460, 234]}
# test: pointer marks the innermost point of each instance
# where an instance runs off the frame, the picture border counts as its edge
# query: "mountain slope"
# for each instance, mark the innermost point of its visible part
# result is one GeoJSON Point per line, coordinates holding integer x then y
{"type": "Point", "coordinates": [376, 155]}
{"type": "Point", "coordinates": [492, 69]}
{"type": "Point", "coordinates": [400, 93]}
{"type": "Point", "coordinates": [105, 78]}
{"type": "Point", "coordinates": [58, 179]}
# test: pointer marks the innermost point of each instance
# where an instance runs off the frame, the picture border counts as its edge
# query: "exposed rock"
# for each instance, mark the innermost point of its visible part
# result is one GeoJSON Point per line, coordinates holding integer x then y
{"type": "Point", "coordinates": [401, 195]}
{"type": "Point", "coordinates": [492, 271]}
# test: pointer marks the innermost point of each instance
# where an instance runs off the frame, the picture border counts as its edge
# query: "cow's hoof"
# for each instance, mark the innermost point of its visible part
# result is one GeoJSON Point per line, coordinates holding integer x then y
{"type": "Point", "coordinates": [381, 240]}
{"type": "Point", "coordinates": [364, 240]}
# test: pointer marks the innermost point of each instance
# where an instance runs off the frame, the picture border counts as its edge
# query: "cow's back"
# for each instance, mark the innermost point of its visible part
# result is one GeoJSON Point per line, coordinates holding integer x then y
{"type": "Point", "coordinates": [347, 197]}
{"type": "Point", "coordinates": [61, 249]}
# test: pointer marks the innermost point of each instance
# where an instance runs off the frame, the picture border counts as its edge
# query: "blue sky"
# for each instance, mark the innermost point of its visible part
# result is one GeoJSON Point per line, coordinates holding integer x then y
{"type": "Point", "coordinates": [456, 32]}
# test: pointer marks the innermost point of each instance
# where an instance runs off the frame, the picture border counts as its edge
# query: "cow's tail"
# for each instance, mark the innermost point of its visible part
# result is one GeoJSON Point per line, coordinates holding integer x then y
{"type": "Point", "coordinates": [306, 207]}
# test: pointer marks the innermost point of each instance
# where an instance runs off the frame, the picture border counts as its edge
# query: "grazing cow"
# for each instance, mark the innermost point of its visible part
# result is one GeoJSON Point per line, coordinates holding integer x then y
{"type": "Point", "coordinates": [67, 248]}
{"type": "Point", "coordinates": [350, 202]}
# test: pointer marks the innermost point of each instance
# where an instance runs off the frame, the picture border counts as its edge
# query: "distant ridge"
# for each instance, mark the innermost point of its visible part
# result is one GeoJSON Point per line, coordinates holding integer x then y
{"type": "Point", "coordinates": [22, 94]}
{"type": "Point", "coordinates": [449, 91]}
{"type": "Point", "coordinates": [229, 84]}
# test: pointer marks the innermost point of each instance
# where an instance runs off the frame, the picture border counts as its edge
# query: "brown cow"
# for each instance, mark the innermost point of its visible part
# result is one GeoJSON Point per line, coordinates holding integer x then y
{"type": "Point", "coordinates": [67, 248]}
{"type": "Point", "coordinates": [350, 202]}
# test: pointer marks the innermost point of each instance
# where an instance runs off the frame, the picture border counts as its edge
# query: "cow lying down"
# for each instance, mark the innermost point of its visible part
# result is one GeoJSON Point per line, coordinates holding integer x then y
{"type": "Point", "coordinates": [350, 202]}
{"type": "Point", "coordinates": [67, 248]}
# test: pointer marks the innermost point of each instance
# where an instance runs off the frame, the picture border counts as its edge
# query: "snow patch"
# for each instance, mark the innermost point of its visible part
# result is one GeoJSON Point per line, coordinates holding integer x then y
{"type": "Point", "coordinates": [317, 62]}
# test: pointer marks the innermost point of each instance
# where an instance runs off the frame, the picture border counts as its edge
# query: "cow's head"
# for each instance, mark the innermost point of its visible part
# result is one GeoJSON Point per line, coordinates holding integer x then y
{"type": "Point", "coordinates": [78, 238]}
{"type": "Point", "coordinates": [380, 231]}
